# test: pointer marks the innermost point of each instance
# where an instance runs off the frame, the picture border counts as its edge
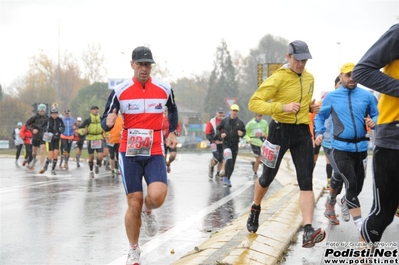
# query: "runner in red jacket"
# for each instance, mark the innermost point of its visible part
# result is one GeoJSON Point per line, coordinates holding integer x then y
{"type": "Point", "coordinates": [26, 136]}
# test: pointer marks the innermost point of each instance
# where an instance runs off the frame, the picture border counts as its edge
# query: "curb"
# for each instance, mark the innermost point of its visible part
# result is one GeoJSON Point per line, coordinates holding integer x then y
{"type": "Point", "coordinates": [279, 224]}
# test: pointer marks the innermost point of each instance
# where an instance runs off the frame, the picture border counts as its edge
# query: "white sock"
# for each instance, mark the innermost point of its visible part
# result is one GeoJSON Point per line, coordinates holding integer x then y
{"type": "Point", "coordinates": [358, 223]}
{"type": "Point", "coordinates": [145, 210]}
{"type": "Point", "coordinates": [134, 246]}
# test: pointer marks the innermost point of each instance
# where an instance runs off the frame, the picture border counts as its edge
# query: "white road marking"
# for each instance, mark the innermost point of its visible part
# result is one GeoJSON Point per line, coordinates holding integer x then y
{"type": "Point", "coordinates": [184, 225]}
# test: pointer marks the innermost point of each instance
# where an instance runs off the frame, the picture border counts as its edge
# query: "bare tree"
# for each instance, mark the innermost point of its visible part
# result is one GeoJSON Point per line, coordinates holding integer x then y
{"type": "Point", "coordinates": [271, 49]}
{"type": "Point", "coordinates": [223, 80]}
{"type": "Point", "coordinates": [93, 61]}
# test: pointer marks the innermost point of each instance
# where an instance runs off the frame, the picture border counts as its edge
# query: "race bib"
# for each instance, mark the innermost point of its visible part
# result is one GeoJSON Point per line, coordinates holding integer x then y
{"type": "Point", "coordinates": [110, 144]}
{"type": "Point", "coordinates": [227, 154]}
{"type": "Point", "coordinates": [96, 144]}
{"type": "Point", "coordinates": [269, 154]}
{"type": "Point", "coordinates": [258, 133]}
{"type": "Point", "coordinates": [47, 136]}
{"type": "Point", "coordinates": [139, 142]}
{"type": "Point", "coordinates": [214, 147]}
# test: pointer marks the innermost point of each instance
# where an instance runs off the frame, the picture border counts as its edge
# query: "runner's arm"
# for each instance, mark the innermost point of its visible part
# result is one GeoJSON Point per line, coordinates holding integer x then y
{"type": "Point", "coordinates": [112, 103]}
{"type": "Point", "coordinates": [367, 70]}
{"type": "Point", "coordinates": [173, 115]}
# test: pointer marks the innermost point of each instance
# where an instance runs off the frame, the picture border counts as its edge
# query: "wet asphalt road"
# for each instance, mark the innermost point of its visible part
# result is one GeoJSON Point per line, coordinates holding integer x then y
{"type": "Point", "coordinates": [345, 232]}
{"type": "Point", "coordinates": [73, 219]}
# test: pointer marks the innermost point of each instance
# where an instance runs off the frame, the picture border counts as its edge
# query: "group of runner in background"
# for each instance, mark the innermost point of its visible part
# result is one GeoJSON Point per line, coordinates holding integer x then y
{"type": "Point", "coordinates": [56, 136]}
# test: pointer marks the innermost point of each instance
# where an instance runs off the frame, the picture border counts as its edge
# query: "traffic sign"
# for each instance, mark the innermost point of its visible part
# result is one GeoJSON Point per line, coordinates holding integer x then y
{"type": "Point", "coordinates": [113, 82]}
{"type": "Point", "coordinates": [273, 67]}
{"type": "Point", "coordinates": [230, 101]}
{"type": "Point", "coordinates": [195, 127]}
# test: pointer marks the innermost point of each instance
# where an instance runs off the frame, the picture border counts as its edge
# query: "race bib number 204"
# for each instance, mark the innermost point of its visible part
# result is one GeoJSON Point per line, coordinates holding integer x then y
{"type": "Point", "coordinates": [269, 154]}
{"type": "Point", "coordinates": [139, 142]}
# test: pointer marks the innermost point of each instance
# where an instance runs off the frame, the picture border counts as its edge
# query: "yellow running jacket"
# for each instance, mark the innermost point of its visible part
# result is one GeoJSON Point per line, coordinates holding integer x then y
{"type": "Point", "coordinates": [283, 87]}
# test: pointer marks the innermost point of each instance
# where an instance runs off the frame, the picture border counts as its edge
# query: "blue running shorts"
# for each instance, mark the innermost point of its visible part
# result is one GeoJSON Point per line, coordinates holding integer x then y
{"type": "Point", "coordinates": [133, 169]}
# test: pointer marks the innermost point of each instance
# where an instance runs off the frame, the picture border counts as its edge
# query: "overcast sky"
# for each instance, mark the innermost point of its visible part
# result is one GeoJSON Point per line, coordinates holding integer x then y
{"type": "Point", "coordinates": [184, 34]}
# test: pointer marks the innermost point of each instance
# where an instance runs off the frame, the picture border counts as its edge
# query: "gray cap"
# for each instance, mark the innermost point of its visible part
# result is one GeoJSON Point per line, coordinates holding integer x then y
{"type": "Point", "coordinates": [300, 50]}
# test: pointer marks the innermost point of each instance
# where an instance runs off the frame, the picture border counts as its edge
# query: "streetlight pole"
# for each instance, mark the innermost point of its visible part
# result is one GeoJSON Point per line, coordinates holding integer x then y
{"type": "Point", "coordinates": [58, 68]}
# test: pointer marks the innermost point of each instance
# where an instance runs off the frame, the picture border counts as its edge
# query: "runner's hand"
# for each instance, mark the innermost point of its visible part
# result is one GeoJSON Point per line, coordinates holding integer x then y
{"type": "Point", "coordinates": [314, 107]}
{"type": "Point", "coordinates": [292, 107]}
{"type": "Point", "coordinates": [172, 140]}
{"type": "Point", "coordinates": [318, 140]}
{"type": "Point", "coordinates": [369, 122]}
{"type": "Point", "coordinates": [111, 118]}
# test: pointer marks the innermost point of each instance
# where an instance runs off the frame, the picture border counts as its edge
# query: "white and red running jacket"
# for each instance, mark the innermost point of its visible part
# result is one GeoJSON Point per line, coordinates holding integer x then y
{"type": "Point", "coordinates": [142, 107]}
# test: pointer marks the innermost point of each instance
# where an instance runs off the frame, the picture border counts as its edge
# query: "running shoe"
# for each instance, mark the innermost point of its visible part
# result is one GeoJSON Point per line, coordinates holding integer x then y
{"type": "Point", "coordinates": [150, 224]}
{"type": "Point", "coordinates": [16, 162]}
{"type": "Point", "coordinates": [168, 169]}
{"type": "Point", "coordinates": [210, 171]}
{"type": "Point", "coordinates": [312, 237]}
{"type": "Point", "coordinates": [32, 164]}
{"type": "Point", "coordinates": [221, 174]}
{"type": "Point", "coordinates": [255, 175]}
{"type": "Point", "coordinates": [96, 169]}
{"type": "Point", "coordinates": [346, 216]}
{"type": "Point", "coordinates": [66, 165]}
{"type": "Point", "coordinates": [44, 168]}
{"type": "Point", "coordinates": [24, 163]}
{"type": "Point", "coordinates": [91, 174]}
{"type": "Point", "coordinates": [133, 258]}
{"type": "Point", "coordinates": [330, 213]}
{"type": "Point", "coordinates": [113, 173]}
{"type": "Point", "coordinates": [107, 168]}
{"type": "Point", "coordinates": [225, 181]}
{"type": "Point", "coordinates": [253, 219]}
{"type": "Point", "coordinates": [77, 163]}
{"type": "Point", "coordinates": [53, 172]}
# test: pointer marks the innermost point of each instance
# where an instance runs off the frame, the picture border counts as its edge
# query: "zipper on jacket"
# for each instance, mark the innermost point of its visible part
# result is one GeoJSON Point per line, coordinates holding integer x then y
{"type": "Point", "coordinates": [300, 100]}
{"type": "Point", "coordinates": [143, 85]}
{"type": "Point", "coordinates": [352, 116]}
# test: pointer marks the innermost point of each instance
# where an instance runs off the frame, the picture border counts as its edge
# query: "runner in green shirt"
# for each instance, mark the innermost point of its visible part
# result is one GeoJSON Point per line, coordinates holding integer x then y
{"type": "Point", "coordinates": [257, 131]}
